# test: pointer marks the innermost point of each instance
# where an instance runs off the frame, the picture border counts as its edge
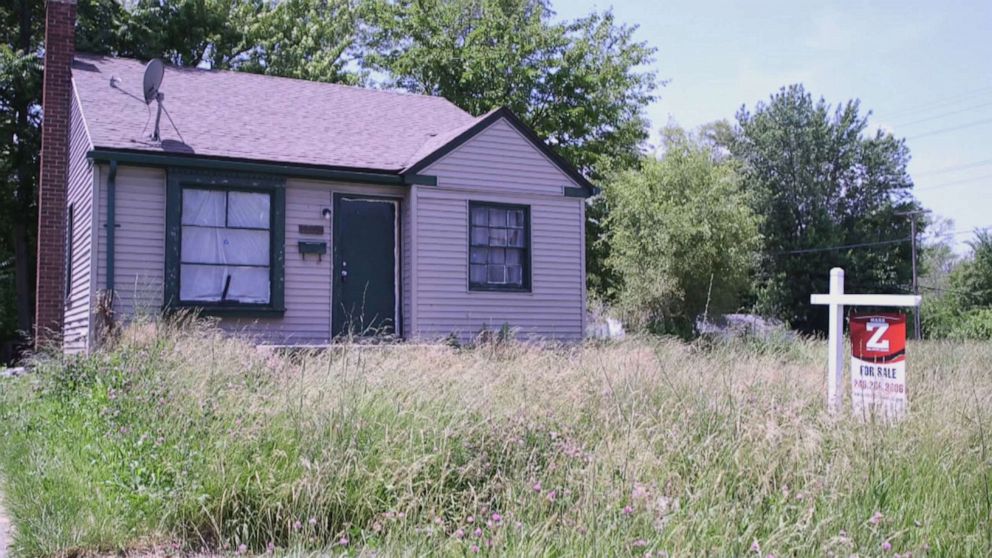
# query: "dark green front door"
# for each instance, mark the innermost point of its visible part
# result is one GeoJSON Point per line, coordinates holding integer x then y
{"type": "Point", "coordinates": [365, 270]}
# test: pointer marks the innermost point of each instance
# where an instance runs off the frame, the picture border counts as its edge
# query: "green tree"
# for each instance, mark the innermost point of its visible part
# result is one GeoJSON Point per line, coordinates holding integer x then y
{"type": "Point", "coordinates": [961, 306]}
{"type": "Point", "coordinates": [21, 29]}
{"type": "Point", "coordinates": [580, 83]}
{"type": "Point", "coordinates": [305, 39]}
{"type": "Point", "coordinates": [819, 180]}
{"type": "Point", "coordinates": [937, 257]}
{"type": "Point", "coordinates": [972, 280]}
{"type": "Point", "coordinates": [683, 236]}
{"type": "Point", "coordinates": [183, 32]}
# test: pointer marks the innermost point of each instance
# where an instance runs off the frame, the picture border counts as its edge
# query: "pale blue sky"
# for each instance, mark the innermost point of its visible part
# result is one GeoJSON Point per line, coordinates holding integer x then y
{"type": "Point", "coordinates": [923, 67]}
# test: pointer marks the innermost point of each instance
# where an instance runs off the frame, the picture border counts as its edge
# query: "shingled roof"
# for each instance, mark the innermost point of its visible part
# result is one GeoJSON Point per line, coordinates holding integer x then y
{"type": "Point", "coordinates": [256, 117]}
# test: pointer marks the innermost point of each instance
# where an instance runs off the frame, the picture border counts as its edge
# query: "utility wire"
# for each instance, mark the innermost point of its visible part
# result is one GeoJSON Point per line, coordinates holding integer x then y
{"type": "Point", "coordinates": [941, 115]}
{"type": "Point", "coordinates": [869, 244]}
{"type": "Point", "coordinates": [951, 129]}
{"type": "Point", "coordinates": [840, 247]}
{"type": "Point", "coordinates": [962, 231]}
{"type": "Point", "coordinates": [945, 290]}
{"type": "Point", "coordinates": [940, 103]}
{"type": "Point", "coordinates": [117, 86]}
{"type": "Point", "coordinates": [953, 183]}
{"type": "Point", "coordinates": [955, 168]}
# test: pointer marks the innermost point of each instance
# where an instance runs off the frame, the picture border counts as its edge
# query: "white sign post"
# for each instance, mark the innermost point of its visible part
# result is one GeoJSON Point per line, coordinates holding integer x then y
{"type": "Point", "coordinates": [836, 300]}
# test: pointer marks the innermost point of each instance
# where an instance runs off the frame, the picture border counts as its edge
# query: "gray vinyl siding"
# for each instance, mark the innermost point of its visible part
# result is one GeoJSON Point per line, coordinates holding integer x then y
{"type": "Point", "coordinates": [498, 165]}
{"type": "Point", "coordinates": [139, 240]}
{"type": "Point", "coordinates": [79, 194]}
{"type": "Point", "coordinates": [140, 255]}
{"type": "Point", "coordinates": [499, 159]}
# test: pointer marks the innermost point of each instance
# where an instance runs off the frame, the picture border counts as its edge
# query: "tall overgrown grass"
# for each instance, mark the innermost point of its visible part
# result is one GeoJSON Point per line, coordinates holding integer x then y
{"type": "Point", "coordinates": [180, 438]}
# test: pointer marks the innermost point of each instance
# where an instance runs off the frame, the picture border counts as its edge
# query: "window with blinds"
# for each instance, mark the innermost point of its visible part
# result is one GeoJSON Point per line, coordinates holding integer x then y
{"type": "Point", "coordinates": [499, 246]}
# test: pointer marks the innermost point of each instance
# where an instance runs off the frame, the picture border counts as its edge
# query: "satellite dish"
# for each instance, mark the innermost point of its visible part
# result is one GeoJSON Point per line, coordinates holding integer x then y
{"type": "Point", "coordinates": [154, 72]}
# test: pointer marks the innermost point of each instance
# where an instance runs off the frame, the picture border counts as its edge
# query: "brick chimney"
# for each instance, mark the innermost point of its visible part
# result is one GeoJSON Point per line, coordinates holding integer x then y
{"type": "Point", "coordinates": [60, 47]}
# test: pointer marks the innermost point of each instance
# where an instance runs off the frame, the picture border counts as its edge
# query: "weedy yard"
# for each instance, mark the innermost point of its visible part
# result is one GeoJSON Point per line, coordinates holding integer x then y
{"type": "Point", "coordinates": [181, 440]}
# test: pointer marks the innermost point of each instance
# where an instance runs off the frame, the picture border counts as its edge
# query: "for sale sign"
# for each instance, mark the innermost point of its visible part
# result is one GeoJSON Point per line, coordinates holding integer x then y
{"type": "Point", "coordinates": [878, 364]}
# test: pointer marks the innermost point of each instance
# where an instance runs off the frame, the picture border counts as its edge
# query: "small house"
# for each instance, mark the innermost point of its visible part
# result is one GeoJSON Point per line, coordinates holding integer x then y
{"type": "Point", "coordinates": [295, 211]}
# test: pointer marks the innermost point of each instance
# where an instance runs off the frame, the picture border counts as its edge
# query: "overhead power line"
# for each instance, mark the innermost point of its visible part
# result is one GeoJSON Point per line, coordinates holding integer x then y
{"type": "Point", "coordinates": [954, 168]}
{"type": "Point", "coordinates": [840, 247]}
{"type": "Point", "coordinates": [941, 115]}
{"type": "Point", "coordinates": [953, 183]}
{"type": "Point", "coordinates": [951, 129]}
{"type": "Point", "coordinates": [965, 231]}
{"type": "Point", "coordinates": [871, 244]}
{"type": "Point", "coordinates": [944, 289]}
{"type": "Point", "coordinates": [941, 103]}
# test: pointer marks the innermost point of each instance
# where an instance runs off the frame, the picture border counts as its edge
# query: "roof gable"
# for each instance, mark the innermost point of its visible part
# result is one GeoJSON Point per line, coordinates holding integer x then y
{"type": "Point", "coordinates": [436, 149]}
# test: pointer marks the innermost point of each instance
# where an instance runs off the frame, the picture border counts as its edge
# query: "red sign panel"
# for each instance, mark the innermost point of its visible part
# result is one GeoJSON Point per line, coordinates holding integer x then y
{"type": "Point", "coordinates": [878, 338]}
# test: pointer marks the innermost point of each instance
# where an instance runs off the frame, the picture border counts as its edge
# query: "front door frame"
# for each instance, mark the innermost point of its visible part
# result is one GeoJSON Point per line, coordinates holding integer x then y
{"type": "Point", "coordinates": [397, 249]}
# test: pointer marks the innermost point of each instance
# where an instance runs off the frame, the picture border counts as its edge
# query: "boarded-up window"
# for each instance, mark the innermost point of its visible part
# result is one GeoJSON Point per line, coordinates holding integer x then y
{"type": "Point", "coordinates": [499, 246]}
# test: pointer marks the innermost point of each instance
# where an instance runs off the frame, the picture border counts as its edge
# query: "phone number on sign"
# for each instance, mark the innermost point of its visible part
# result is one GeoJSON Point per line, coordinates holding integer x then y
{"type": "Point", "coordinates": [885, 387]}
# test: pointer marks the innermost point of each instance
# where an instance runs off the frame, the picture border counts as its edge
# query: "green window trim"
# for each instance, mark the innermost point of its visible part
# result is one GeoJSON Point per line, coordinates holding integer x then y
{"type": "Point", "coordinates": [226, 181]}
{"type": "Point", "coordinates": [526, 258]}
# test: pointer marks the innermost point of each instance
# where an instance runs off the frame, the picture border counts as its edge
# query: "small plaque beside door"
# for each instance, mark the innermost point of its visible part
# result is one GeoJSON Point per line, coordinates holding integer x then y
{"type": "Point", "coordinates": [312, 229]}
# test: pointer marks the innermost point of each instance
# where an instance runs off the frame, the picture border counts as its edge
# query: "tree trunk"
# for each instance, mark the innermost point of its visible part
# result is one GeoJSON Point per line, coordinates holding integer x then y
{"type": "Point", "coordinates": [24, 219]}
{"type": "Point", "coordinates": [23, 276]}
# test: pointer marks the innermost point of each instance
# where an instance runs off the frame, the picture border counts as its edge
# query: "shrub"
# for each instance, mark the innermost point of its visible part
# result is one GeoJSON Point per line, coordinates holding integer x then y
{"type": "Point", "coordinates": [962, 309]}
{"type": "Point", "coordinates": [682, 236]}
